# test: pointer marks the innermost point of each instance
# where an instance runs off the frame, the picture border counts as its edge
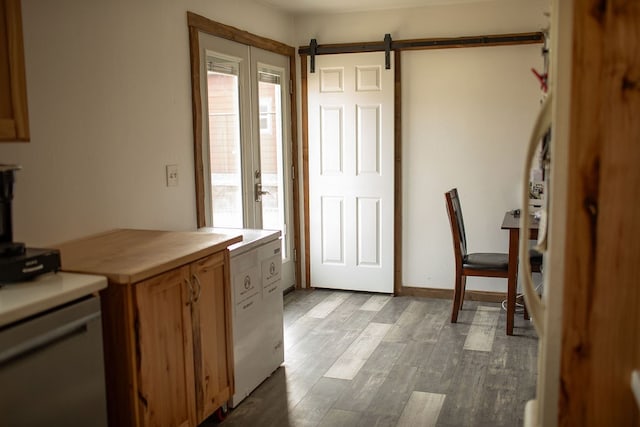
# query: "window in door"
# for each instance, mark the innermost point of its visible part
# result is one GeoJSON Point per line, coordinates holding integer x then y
{"type": "Point", "coordinates": [271, 156]}
{"type": "Point", "coordinates": [224, 142]}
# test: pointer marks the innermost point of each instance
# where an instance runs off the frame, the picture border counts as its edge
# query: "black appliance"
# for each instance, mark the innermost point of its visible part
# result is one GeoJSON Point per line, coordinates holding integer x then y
{"type": "Point", "coordinates": [17, 262]}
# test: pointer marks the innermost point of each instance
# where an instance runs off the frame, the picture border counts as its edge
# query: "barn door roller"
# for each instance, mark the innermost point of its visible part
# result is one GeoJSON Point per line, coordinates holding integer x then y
{"type": "Point", "coordinates": [387, 51]}
{"type": "Point", "coordinates": [313, 46]}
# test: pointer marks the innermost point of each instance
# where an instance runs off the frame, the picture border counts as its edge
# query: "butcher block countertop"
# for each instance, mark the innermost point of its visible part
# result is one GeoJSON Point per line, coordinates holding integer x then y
{"type": "Point", "coordinates": [129, 256]}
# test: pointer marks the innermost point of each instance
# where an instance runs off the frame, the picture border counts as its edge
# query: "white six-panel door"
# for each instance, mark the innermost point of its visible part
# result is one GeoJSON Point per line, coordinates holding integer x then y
{"type": "Point", "coordinates": [351, 176]}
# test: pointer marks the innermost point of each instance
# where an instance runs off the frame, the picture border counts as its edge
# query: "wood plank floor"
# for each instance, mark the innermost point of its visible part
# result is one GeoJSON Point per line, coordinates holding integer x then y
{"type": "Point", "coordinates": [357, 359]}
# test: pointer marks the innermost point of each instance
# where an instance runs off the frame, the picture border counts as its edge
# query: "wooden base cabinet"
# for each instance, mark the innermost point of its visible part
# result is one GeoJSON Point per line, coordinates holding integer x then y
{"type": "Point", "coordinates": [181, 335]}
{"type": "Point", "coordinates": [167, 330]}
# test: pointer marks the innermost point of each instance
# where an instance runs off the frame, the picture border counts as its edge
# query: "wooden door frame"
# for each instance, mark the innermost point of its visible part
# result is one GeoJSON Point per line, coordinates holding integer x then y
{"type": "Point", "coordinates": [397, 47]}
{"type": "Point", "coordinates": [199, 24]}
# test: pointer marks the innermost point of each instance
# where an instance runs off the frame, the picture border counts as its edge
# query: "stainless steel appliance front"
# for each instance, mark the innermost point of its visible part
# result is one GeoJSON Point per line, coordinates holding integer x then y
{"type": "Point", "coordinates": [52, 368]}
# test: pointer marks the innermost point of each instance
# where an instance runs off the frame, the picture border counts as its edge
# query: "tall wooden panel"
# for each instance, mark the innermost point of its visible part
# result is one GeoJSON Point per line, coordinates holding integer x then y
{"type": "Point", "coordinates": [601, 325]}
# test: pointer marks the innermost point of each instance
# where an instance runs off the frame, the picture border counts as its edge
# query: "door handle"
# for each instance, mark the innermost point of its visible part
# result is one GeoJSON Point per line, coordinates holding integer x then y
{"type": "Point", "coordinates": [259, 192]}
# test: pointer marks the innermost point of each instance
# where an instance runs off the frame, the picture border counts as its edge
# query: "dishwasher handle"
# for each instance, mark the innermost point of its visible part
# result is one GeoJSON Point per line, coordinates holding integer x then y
{"type": "Point", "coordinates": [41, 342]}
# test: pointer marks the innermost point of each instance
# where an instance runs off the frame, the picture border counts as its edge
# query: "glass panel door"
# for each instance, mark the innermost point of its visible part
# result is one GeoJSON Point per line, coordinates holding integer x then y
{"type": "Point", "coordinates": [245, 147]}
{"type": "Point", "coordinates": [271, 156]}
{"type": "Point", "coordinates": [271, 132]}
{"type": "Point", "coordinates": [225, 168]}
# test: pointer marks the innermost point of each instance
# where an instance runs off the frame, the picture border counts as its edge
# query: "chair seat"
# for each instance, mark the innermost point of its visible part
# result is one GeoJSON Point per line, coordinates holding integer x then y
{"type": "Point", "coordinates": [535, 256]}
{"type": "Point", "coordinates": [486, 261]}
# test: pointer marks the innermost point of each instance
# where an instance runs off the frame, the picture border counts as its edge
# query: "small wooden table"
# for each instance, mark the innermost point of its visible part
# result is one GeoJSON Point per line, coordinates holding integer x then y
{"type": "Point", "coordinates": [512, 223]}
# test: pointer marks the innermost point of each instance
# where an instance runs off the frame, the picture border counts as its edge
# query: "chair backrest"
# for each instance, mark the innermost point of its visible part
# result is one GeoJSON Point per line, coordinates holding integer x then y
{"type": "Point", "coordinates": [457, 224]}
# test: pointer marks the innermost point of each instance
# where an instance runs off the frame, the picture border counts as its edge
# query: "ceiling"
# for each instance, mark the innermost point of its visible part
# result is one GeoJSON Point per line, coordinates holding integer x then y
{"type": "Point", "coordinates": [337, 6]}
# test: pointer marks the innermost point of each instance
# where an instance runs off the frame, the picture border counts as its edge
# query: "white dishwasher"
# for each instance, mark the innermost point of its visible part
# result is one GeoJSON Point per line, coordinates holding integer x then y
{"type": "Point", "coordinates": [258, 347]}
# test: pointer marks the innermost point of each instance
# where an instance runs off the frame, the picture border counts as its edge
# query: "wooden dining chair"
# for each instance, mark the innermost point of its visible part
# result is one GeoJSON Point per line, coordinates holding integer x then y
{"type": "Point", "coordinates": [479, 264]}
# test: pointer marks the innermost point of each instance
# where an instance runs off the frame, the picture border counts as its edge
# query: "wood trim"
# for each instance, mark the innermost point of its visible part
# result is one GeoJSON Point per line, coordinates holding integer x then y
{"type": "Point", "coordinates": [304, 107]}
{"type": "Point", "coordinates": [397, 200]}
{"type": "Point", "coordinates": [429, 43]}
{"type": "Point", "coordinates": [228, 32]}
{"type": "Point", "coordinates": [198, 24]}
{"type": "Point", "coordinates": [294, 162]}
{"type": "Point", "coordinates": [196, 111]}
{"type": "Point", "coordinates": [469, 295]}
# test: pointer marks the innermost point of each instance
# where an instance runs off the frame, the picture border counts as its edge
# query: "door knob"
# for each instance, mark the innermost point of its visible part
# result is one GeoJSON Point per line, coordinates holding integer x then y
{"type": "Point", "coordinates": [259, 192]}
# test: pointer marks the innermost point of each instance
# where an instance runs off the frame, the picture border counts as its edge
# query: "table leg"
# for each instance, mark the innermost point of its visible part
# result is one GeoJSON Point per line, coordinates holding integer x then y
{"type": "Point", "coordinates": [512, 280]}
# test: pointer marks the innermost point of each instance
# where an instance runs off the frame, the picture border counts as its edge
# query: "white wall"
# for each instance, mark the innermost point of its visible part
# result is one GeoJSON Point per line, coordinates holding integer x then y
{"type": "Point", "coordinates": [467, 114]}
{"type": "Point", "coordinates": [466, 118]}
{"type": "Point", "coordinates": [109, 96]}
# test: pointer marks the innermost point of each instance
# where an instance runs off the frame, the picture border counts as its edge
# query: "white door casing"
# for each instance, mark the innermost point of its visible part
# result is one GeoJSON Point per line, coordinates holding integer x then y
{"type": "Point", "coordinates": [351, 172]}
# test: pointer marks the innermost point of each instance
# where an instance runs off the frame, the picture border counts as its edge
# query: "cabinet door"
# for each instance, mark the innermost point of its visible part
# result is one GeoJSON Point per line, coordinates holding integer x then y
{"type": "Point", "coordinates": [165, 350]}
{"type": "Point", "coordinates": [212, 334]}
{"type": "Point", "coordinates": [14, 124]}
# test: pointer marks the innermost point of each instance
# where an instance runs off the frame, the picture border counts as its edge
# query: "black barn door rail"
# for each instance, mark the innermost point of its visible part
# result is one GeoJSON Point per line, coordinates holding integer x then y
{"type": "Point", "coordinates": [419, 44]}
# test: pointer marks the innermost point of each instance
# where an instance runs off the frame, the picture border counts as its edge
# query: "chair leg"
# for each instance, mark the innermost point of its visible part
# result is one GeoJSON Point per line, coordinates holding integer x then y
{"type": "Point", "coordinates": [457, 296]}
{"type": "Point", "coordinates": [463, 289]}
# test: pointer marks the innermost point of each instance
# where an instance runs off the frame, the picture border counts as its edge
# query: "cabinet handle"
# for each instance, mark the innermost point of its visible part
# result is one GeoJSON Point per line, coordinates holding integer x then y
{"type": "Point", "coordinates": [190, 291]}
{"type": "Point", "coordinates": [48, 339]}
{"type": "Point", "coordinates": [197, 280]}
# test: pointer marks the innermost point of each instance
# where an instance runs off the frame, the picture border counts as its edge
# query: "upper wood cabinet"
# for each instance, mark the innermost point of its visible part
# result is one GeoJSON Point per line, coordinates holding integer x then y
{"type": "Point", "coordinates": [14, 120]}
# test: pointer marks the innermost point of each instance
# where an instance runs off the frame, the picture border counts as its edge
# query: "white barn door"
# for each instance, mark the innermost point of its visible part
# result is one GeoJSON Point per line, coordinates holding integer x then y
{"type": "Point", "coordinates": [351, 176]}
